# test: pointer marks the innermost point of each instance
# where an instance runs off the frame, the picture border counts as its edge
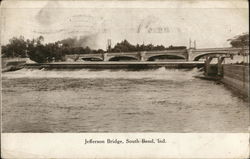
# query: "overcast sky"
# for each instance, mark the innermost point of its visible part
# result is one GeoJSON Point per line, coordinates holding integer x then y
{"type": "Point", "coordinates": [210, 24]}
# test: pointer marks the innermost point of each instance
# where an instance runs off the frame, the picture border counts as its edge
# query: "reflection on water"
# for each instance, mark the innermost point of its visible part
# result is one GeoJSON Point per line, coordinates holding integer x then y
{"type": "Point", "coordinates": [163, 100]}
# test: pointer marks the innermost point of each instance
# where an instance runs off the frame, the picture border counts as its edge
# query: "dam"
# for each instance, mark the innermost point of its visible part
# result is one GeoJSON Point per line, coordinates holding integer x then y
{"type": "Point", "coordinates": [115, 65]}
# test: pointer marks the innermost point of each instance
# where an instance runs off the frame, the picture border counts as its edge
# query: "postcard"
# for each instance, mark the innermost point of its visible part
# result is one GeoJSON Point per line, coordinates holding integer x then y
{"type": "Point", "coordinates": [125, 79]}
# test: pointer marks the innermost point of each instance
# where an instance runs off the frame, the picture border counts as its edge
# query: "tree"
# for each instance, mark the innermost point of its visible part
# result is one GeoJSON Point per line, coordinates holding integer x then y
{"type": "Point", "coordinates": [124, 46]}
{"type": "Point", "coordinates": [100, 51]}
{"type": "Point", "coordinates": [159, 47]}
{"type": "Point", "coordinates": [35, 50]}
{"type": "Point", "coordinates": [87, 50]}
{"type": "Point", "coordinates": [41, 53]}
{"type": "Point", "coordinates": [5, 51]}
{"type": "Point", "coordinates": [17, 47]}
{"type": "Point", "coordinates": [240, 40]}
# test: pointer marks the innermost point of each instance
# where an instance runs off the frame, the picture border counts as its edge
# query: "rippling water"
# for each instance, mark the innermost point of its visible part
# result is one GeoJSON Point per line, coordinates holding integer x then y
{"type": "Point", "coordinates": [163, 100]}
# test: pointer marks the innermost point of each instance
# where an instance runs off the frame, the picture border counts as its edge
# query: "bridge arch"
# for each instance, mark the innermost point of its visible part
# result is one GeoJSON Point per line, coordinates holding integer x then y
{"type": "Point", "coordinates": [91, 59]}
{"type": "Point", "coordinates": [172, 57]}
{"type": "Point", "coordinates": [165, 56]}
{"type": "Point", "coordinates": [123, 58]}
{"type": "Point", "coordinates": [198, 57]}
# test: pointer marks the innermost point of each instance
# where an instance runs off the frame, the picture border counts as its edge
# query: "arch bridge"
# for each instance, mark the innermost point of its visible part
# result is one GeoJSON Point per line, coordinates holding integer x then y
{"type": "Point", "coordinates": [184, 54]}
{"type": "Point", "coordinates": [196, 54]}
{"type": "Point", "coordinates": [135, 56]}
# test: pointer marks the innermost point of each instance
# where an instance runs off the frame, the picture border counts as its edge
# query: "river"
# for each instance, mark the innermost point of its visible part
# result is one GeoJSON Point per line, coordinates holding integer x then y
{"type": "Point", "coordinates": [161, 100]}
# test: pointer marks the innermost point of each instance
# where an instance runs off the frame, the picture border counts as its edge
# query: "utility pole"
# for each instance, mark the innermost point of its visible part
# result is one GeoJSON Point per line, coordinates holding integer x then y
{"type": "Point", "coordinates": [109, 45]}
{"type": "Point", "coordinates": [190, 43]}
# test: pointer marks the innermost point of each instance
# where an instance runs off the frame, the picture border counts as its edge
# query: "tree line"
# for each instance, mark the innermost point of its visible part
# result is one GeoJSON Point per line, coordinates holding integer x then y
{"type": "Point", "coordinates": [39, 52]}
{"type": "Point", "coordinates": [125, 46]}
{"type": "Point", "coordinates": [240, 41]}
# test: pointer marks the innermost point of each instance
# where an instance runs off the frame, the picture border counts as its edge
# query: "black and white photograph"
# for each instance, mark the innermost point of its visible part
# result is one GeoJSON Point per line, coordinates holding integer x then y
{"type": "Point", "coordinates": [124, 67]}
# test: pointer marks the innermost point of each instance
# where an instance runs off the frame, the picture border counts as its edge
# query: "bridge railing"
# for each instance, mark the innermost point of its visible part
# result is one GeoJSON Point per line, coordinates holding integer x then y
{"type": "Point", "coordinates": [220, 49]}
{"type": "Point", "coordinates": [150, 52]}
{"type": "Point", "coordinates": [122, 53]}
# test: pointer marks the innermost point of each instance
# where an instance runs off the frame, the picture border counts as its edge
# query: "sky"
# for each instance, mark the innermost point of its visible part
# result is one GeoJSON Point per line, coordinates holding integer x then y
{"type": "Point", "coordinates": [210, 23]}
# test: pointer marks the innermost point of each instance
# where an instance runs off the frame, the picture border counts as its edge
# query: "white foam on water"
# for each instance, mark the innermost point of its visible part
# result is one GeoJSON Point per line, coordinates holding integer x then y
{"type": "Point", "coordinates": [159, 74]}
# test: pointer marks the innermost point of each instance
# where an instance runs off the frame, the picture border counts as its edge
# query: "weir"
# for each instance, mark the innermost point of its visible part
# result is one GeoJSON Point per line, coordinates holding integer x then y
{"type": "Point", "coordinates": [114, 65]}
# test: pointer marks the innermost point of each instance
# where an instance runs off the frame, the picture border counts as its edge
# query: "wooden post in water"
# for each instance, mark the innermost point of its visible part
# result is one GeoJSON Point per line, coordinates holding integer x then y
{"type": "Point", "coordinates": [219, 65]}
{"type": "Point", "coordinates": [207, 65]}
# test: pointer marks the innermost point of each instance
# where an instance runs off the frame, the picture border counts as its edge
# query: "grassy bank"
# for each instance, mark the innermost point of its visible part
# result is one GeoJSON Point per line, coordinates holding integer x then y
{"type": "Point", "coordinates": [12, 64]}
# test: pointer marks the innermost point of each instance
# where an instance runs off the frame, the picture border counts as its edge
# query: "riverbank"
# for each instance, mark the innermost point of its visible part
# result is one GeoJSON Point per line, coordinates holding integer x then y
{"type": "Point", "coordinates": [236, 78]}
{"type": "Point", "coordinates": [12, 64]}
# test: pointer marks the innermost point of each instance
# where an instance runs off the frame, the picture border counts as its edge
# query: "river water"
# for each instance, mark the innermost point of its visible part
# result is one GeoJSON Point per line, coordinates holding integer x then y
{"type": "Point", "coordinates": [162, 100]}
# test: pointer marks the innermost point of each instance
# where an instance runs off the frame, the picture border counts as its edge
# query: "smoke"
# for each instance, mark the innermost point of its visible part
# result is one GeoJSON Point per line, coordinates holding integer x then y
{"type": "Point", "coordinates": [82, 41]}
{"type": "Point", "coordinates": [49, 14]}
{"type": "Point", "coordinates": [56, 23]}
